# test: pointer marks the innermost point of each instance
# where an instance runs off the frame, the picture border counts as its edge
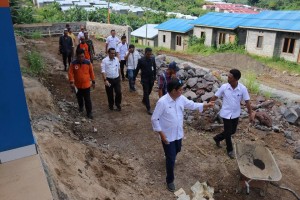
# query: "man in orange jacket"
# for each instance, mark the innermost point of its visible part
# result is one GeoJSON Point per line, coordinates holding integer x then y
{"type": "Point", "coordinates": [81, 74]}
{"type": "Point", "coordinates": [83, 45]}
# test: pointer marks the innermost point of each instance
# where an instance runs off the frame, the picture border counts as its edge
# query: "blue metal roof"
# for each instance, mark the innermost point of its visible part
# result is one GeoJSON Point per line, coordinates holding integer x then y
{"type": "Point", "coordinates": [176, 25]}
{"type": "Point", "coordinates": [270, 20]}
{"type": "Point", "coordinates": [221, 20]}
{"type": "Point", "coordinates": [275, 20]}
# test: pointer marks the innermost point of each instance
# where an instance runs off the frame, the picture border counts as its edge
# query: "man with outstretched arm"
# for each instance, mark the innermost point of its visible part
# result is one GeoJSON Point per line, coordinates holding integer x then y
{"type": "Point", "coordinates": [232, 93]}
{"type": "Point", "coordinates": [167, 121]}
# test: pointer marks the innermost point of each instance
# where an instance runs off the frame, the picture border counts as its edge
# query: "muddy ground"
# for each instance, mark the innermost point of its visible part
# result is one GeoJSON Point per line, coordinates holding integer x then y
{"type": "Point", "coordinates": [118, 156]}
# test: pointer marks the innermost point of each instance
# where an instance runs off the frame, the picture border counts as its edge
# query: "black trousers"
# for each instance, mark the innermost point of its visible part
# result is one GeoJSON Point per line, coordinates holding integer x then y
{"type": "Point", "coordinates": [122, 66]}
{"type": "Point", "coordinates": [84, 95]}
{"type": "Point", "coordinates": [65, 57]}
{"type": "Point", "coordinates": [115, 86]}
{"type": "Point", "coordinates": [147, 88]}
{"type": "Point", "coordinates": [230, 126]}
{"type": "Point", "coordinates": [171, 150]}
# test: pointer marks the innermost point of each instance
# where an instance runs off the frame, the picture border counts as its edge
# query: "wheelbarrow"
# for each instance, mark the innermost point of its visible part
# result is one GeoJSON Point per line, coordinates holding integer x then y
{"type": "Point", "coordinates": [257, 167]}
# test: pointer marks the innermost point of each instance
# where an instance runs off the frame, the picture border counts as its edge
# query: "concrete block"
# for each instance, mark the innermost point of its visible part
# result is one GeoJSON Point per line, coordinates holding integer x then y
{"type": "Point", "coordinates": [291, 115]}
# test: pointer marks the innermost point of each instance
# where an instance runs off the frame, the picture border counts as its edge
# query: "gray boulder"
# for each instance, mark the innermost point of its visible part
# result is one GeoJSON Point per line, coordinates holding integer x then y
{"type": "Point", "coordinates": [291, 115]}
{"type": "Point", "coordinates": [201, 85]}
{"type": "Point", "coordinates": [207, 96]}
{"type": "Point", "coordinates": [190, 95]}
{"type": "Point", "coordinates": [181, 74]}
{"type": "Point", "coordinates": [282, 109]}
{"type": "Point", "coordinates": [200, 72]}
{"type": "Point", "coordinates": [215, 87]}
{"type": "Point", "coordinates": [191, 72]}
{"type": "Point", "coordinates": [192, 82]}
{"type": "Point", "coordinates": [297, 156]}
{"type": "Point", "coordinates": [209, 77]}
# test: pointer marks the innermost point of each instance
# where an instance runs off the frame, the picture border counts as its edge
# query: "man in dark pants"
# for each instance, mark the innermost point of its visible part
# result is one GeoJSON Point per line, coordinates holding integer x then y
{"type": "Point", "coordinates": [111, 77]}
{"type": "Point", "coordinates": [66, 48]}
{"type": "Point", "coordinates": [232, 93]}
{"type": "Point", "coordinates": [147, 66]}
{"type": "Point", "coordinates": [81, 74]}
{"type": "Point", "coordinates": [167, 121]}
{"type": "Point", "coordinates": [122, 48]}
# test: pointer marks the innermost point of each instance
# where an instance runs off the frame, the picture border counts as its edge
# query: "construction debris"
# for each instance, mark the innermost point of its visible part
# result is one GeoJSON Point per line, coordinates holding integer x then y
{"type": "Point", "coordinates": [201, 191]}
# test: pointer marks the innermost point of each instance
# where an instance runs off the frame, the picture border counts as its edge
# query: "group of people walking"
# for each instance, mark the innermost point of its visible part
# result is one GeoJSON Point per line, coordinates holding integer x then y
{"type": "Point", "coordinates": [167, 118]}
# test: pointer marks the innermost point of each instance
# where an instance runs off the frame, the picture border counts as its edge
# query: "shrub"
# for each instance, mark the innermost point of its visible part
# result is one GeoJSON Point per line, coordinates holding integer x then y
{"type": "Point", "coordinates": [36, 35]}
{"type": "Point", "coordinates": [35, 61]}
{"type": "Point", "coordinates": [249, 79]}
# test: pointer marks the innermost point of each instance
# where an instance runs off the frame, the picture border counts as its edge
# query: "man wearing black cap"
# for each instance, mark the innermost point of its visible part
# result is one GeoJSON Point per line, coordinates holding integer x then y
{"type": "Point", "coordinates": [147, 66]}
{"type": "Point", "coordinates": [166, 77]}
{"type": "Point", "coordinates": [232, 93]}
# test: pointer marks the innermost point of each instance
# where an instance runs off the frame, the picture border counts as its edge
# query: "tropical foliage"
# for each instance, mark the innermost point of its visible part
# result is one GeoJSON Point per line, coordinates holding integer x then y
{"type": "Point", "coordinates": [23, 12]}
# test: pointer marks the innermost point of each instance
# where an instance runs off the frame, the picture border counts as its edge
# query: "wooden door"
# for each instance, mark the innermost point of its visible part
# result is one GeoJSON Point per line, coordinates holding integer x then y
{"type": "Point", "coordinates": [231, 38]}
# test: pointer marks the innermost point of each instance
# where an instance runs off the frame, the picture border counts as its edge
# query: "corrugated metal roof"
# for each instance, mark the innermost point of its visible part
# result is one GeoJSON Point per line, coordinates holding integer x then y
{"type": "Point", "coordinates": [141, 32]}
{"type": "Point", "coordinates": [176, 25]}
{"type": "Point", "coordinates": [275, 20]}
{"type": "Point", "coordinates": [269, 20]}
{"type": "Point", "coordinates": [221, 20]}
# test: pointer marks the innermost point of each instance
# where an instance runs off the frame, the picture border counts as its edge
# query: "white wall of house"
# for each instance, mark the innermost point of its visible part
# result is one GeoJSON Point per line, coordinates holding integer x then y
{"type": "Point", "coordinates": [268, 42]}
{"type": "Point", "coordinates": [165, 42]}
{"type": "Point", "coordinates": [208, 34]}
{"type": "Point", "coordinates": [148, 42]}
{"type": "Point", "coordinates": [295, 47]}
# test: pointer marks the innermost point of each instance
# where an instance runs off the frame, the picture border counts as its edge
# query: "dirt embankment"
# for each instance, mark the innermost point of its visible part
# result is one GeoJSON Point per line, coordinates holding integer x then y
{"type": "Point", "coordinates": [117, 155]}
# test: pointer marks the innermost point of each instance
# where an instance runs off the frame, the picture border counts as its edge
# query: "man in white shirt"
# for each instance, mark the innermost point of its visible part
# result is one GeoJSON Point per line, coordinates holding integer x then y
{"type": "Point", "coordinates": [111, 77]}
{"type": "Point", "coordinates": [132, 57]}
{"type": "Point", "coordinates": [112, 41]}
{"type": "Point", "coordinates": [167, 120]}
{"type": "Point", "coordinates": [232, 93]}
{"type": "Point", "coordinates": [80, 34]}
{"type": "Point", "coordinates": [122, 48]}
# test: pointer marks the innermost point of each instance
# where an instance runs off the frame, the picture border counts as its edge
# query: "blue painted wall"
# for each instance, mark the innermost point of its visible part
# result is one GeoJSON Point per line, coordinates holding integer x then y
{"type": "Point", "coordinates": [15, 129]}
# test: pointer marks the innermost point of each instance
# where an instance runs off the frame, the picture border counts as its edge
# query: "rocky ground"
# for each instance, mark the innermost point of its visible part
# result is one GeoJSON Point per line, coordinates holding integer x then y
{"type": "Point", "coordinates": [117, 155]}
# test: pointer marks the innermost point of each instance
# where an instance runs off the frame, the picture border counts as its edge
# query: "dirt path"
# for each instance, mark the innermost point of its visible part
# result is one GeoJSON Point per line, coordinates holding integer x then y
{"type": "Point", "coordinates": [127, 162]}
{"type": "Point", "coordinates": [224, 61]}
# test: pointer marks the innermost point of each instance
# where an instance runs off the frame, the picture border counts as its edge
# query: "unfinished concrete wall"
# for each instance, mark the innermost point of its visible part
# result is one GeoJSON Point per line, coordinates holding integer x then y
{"type": "Point", "coordinates": [168, 39]}
{"type": "Point", "coordinates": [208, 34]}
{"type": "Point", "coordinates": [278, 51]}
{"type": "Point", "coordinates": [48, 28]}
{"type": "Point", "coordinates": [94, 28]}
{"type": "Point", "coordinates": [150, 43]}
{"type": "Point", "coordinates": [268, 42]}
{"type": "Point", "coordinates": [103, 30]}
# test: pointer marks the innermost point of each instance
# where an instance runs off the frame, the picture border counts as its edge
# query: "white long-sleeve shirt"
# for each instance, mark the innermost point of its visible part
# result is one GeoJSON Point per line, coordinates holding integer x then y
{"type": "Point", "coordinates": [110, 67]}
{"type": "Point", "coordinates": [168, 116]}
{"type": "Point", "coordinates": [121, 50]}
{"type": "Point", "coordinates": [133, 59]}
